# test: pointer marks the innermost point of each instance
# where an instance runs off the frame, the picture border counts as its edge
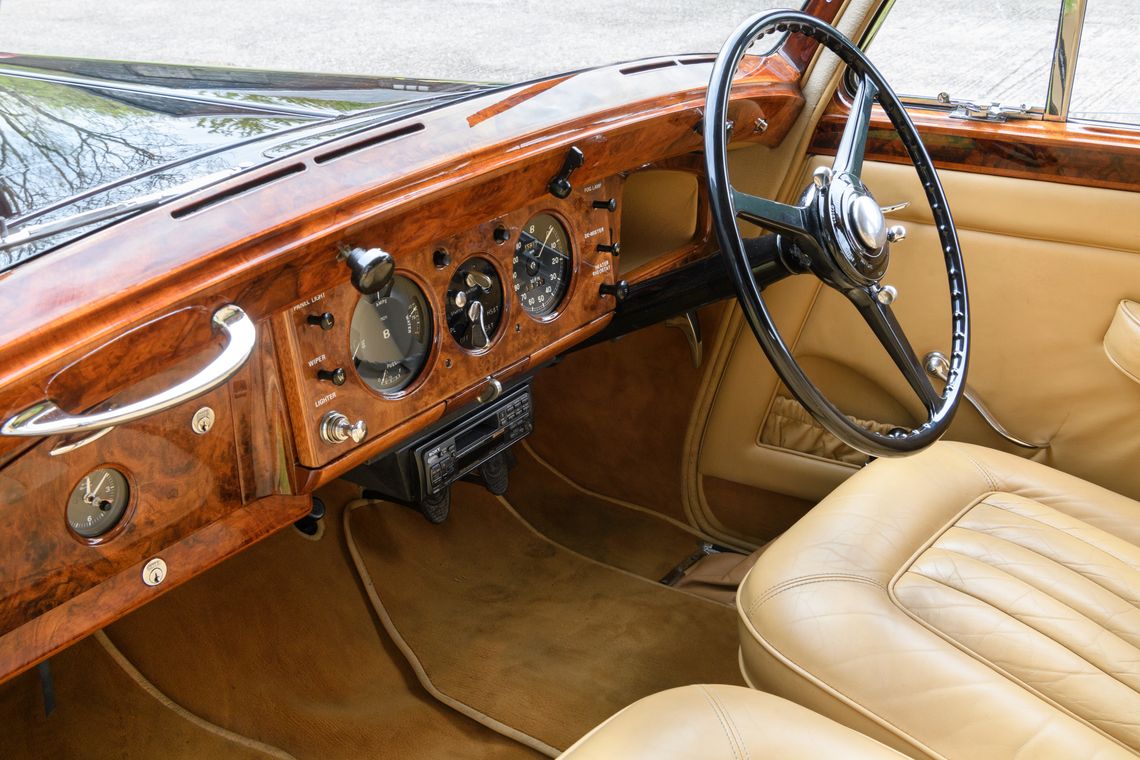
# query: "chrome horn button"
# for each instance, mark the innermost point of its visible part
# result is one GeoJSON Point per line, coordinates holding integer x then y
{"type": "Point", "coordinates": [858, 237]}
{"type": "Point", "coordinates": [868, 223]}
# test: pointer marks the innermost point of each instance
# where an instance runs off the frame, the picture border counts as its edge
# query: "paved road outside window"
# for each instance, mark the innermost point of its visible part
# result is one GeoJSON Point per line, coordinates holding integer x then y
{"type": "Point", "coordinates": [934, 44]}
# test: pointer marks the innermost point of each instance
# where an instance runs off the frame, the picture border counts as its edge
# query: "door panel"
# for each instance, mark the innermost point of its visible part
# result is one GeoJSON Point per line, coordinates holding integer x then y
{"type": "Point", "coordinates": [1047, 266]}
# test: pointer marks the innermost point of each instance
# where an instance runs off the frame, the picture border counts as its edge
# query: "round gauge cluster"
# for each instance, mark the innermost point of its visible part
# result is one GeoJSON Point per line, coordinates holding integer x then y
{"type": "Point", "coordinates": [474, 304]}
{"type": "Point", "coordinates": [98, 502]}
{"type": "Point", "coordinates": [391, 336]}
{"type": "Point", "coordinates": [541, 265]}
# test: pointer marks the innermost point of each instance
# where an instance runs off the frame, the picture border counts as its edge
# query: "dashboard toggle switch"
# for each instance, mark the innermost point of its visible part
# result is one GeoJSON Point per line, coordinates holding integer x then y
{"type": "Point", "coordinates": [324, 321]}
{"type": "Point", "coordinates": [619, 290]}
{"type": "Point", "coordinates": [335, 376]}
{"type": "Point", "coordinates": [559, 185]}
{"type": "Point", "coordinates": [336, 428]}
{"type": "Point", "coordinates": [613, 249]}
{"type": "Point", "coordinates": [609, 205]}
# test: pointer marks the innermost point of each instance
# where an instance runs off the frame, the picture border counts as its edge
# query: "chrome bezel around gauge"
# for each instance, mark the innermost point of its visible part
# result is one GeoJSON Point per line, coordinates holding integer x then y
{"type": "Point", "coordinates": [456, 298]}
{"type": "Point", "coordinates": [367, 308]}
{"type": "Point", "coordinates": [90, 482]}
{"type": "Point", "coordinates": [549, 311]}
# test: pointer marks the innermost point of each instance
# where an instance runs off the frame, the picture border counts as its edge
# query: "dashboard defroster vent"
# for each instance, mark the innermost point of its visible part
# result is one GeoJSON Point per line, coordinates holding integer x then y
{"type": "Point", "coordinates": [368, 142]}
{"type": "Point", "coordinates": [651, 66]}
{"type": "Point", "coordinates": [238, 189]}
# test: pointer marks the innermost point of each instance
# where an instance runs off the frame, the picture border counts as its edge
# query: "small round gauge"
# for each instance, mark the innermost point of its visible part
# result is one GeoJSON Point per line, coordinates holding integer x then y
{"type": "Point", "coordinates": [391, 336]}
{"type": "Point", "coordinates": [542, 265]}
{"type": "Point", "coordinates": [98, 502]}
{"type": "Point", "coordinates": [474, 304]}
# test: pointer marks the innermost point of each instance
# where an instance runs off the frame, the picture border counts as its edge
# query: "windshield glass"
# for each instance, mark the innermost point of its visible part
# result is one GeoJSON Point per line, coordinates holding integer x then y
{"type": "Point", "coordinates": [50, 134]}
{"type": "Point", "coordinates": [80, 129]}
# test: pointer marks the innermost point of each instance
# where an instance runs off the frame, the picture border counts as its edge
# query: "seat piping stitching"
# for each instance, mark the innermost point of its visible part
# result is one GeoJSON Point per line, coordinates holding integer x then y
{"type": "Point", "coordinates": [731, 722]}
{"type": "Point", "coordinates": [1063, 531]}
{"type": "Point", "coordinates": [1008, 676]}
{"type": "Point", "coordinates": [808, 580]}
{"type": "Point", "coordinates": [720, 719]}
{"type": "Point", "coordinates": [1041, 633]}
{"type": "Point", "coordinates": [1091, 579]}
{"type": "Point", "coordinates": [1044, 592]}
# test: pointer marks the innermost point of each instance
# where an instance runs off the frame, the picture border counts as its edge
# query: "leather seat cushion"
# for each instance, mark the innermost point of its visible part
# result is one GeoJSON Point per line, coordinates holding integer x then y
{"type": "Point", "coordinates": [961, 603]}
{"type": "Point", "coordinates": [712, 722]}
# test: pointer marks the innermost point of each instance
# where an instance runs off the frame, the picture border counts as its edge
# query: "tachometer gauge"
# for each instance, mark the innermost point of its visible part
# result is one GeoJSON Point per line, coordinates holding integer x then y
{"type": "Point", "coordinates": [391, 336]}
{"type": "Point", "coordinates": [98, 502]}
{"type": "Point", "coordinates": [542, 265]}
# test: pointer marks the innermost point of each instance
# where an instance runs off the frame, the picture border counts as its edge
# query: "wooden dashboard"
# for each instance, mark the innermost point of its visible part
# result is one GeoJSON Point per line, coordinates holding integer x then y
{"type": "Point", "coordinates": [125, 311]}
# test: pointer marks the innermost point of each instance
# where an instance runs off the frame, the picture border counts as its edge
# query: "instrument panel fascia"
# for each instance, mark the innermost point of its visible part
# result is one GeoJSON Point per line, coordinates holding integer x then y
{"type": "Point", "coordinates": [472, 165]}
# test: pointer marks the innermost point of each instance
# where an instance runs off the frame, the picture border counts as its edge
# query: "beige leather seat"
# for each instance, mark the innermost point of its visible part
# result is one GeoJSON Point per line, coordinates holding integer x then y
{"type": "Point", "coordinates": [713, 722]}
{"type": "Point", "coordinates": [958, 603]}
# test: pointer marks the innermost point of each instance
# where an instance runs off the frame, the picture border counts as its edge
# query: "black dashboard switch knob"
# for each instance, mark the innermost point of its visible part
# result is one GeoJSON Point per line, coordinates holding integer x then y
{"type": "Point", "coordinates": [335, 376]}
{"type": "Point", "coordinates": [559, 185]}
{"type": "Point", "coordinates": [501, 234]}
{"type": "Point", "coordinates": [619, 290]}
{"type": "Point", "coordinates": [610, 205]}
{"type": "Point", "coordinates": [324, 321]}
{"type": "Point", "coordinates": [373, 269]}
{"type": "Point", "coordinates": [612, 248]}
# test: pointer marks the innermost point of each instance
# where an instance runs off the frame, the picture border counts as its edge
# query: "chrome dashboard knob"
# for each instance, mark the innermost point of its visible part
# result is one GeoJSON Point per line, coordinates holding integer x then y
{"type": "Point", "coordinates": [372, 269]}
{"type": "Point", "coordinates": [336, 428]}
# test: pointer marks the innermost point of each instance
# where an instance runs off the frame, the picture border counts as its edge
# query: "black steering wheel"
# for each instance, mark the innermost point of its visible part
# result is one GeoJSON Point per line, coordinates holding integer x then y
{"type": "Point", "coordinates": [838, 233]}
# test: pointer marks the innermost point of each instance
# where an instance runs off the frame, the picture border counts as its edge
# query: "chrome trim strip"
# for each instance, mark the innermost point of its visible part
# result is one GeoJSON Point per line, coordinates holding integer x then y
{"type": "Point", "coordinates": [1069, 27]}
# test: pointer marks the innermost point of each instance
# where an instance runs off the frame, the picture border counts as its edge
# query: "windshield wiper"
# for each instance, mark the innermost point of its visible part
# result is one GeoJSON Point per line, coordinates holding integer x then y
{"type": "Point", "coordinates": [22, 234]}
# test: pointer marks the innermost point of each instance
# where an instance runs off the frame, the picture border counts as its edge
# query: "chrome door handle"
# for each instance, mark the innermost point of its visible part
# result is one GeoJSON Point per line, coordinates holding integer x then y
{"type": "Point", "coordinates": [937, 365]}
{"type": "Point", "coordinates": [45, 418]}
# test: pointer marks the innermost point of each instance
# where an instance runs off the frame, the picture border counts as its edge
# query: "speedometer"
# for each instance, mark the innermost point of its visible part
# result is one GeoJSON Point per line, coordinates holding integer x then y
{"type": "Point", "coordinates": [541, 265]}
{"type": "Point", "coordinates": [391, 336]}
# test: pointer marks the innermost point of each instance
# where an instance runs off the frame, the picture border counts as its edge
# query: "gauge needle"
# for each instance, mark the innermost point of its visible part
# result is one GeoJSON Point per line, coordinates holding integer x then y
{"type": "Point", "coordinates": [356, 350]}
{"type": "Point", "coordinates": [100, 483]}
{"type": "Point", "coordinates": [542, 245]}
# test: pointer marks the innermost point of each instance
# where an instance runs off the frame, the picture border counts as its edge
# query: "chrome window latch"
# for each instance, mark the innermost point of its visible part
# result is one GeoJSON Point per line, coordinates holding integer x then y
{"type": "Point", "coordinates": [994, 112]}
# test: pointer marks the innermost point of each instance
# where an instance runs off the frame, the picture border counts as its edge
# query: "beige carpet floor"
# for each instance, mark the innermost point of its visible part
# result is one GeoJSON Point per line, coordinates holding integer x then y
{"type": "Point", "coordinates": [280, 644]}
{"type": "Point", "coordinates": [538, 641]}
{"type": "Point", "coordinates": [102, 712]}
{"type": "Point", "coordinates": [613, 532]}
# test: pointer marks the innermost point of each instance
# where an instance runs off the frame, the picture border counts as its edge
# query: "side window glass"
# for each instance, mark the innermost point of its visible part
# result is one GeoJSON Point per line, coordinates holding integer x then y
{"type": "Point", "coordinates": [982, 51]}
{"type": "Point", "coordinates": [1106, 87]}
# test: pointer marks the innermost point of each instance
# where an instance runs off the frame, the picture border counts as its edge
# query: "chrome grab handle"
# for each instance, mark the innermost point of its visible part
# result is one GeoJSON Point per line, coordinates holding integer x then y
{"type": "Point", "coordinates": [937, 365]}
{"type": "Point", "coordinates": [45, 418]}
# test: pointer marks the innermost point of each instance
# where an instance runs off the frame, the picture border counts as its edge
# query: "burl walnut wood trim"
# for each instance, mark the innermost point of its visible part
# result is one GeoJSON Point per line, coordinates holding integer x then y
{"type": "Point", "coordinates": [123, 592]}
{"type": "Point", "coordinates": [155, 279]}
{"type": "Point", "coordinates": [268, 249]}
{"type": "Point", "coordinates": [1066, 152]}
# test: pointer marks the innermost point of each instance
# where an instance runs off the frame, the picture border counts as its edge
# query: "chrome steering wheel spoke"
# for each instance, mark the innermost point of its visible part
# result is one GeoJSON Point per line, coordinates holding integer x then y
{"type": "Point", "coordinates": [884, 324]}
{"type": "Point", "coordinates": [853, 142]}
{"type": "Point", "coordinates": [772, 215]}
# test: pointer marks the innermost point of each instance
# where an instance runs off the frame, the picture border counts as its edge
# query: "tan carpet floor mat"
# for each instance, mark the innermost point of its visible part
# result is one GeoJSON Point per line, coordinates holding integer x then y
{"type": "Point", "coordinates": [103, 710]}
{"type": "Point", "coordinates": [615, 533]}
{"type": "Point", "coordinates": [281, 644]}
{"type": "Point", "coordinates": [531, 638]}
